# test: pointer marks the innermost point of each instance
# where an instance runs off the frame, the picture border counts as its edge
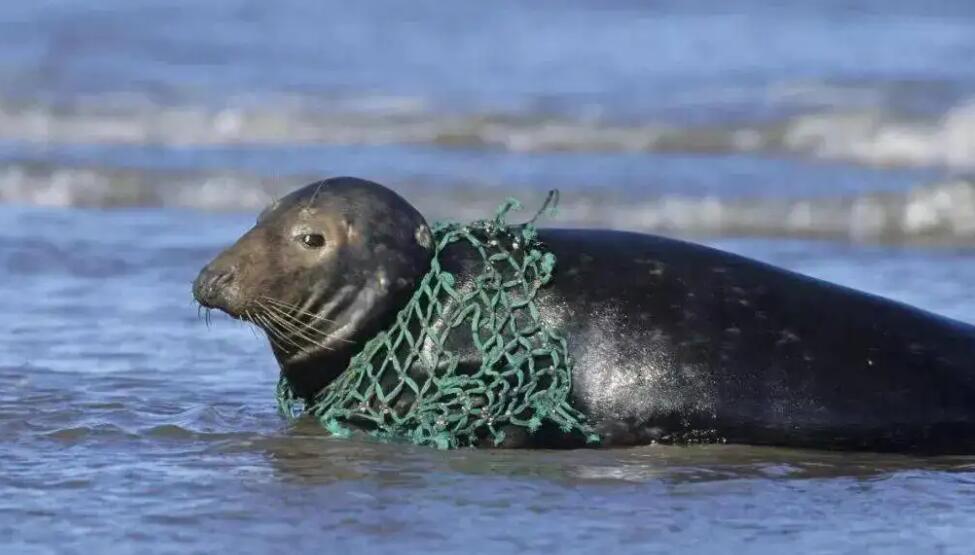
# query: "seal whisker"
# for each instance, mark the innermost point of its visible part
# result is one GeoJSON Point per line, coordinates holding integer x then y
{"type": "Point", "coordinates": [295, 317]}
{"type": "Point", "coordinates": [276, 336]}
{"type": "Point", "coordinates": [314, 196]}
{"type": "Point", "coordinates": [272, 337]}
{"type": "Point", "coordinates": [284, 324]}
{"type": "Point", "coordinates": [312, 335]}
{"type": "Point", "coordinates": [274, 329]}
{"type": "Point", "coordinates": [299, 327]}
{"type": "Point", "coordinates": [290, 325]}
{"type": "Point", "coordinates": [294, 310]}
{"type": "Point", "coordinates": [249, 318]}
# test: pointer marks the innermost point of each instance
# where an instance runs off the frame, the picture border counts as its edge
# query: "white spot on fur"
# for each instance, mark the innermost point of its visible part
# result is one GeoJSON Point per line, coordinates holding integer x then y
{"type": "Point", "coordinates": [423, 237]}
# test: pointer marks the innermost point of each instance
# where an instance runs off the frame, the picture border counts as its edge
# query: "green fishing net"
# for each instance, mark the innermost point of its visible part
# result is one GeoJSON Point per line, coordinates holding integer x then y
{"type": "Point", "coordinates": [407, 383]}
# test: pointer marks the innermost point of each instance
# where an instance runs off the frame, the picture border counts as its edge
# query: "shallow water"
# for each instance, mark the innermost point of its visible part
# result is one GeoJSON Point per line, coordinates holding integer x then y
{"type": "Point", "coordinates": [659, 112]}
{"type": "Point", "coordinates": [128, 425]}
{"type": "Point", "coordinates": [137, 139]}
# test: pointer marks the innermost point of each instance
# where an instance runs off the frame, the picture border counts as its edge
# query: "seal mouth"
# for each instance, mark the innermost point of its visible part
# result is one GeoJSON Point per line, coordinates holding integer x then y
{"type": "Point", "coordinates": [206, 304]}
{"type": "Point", "coordinates": [216, 288]}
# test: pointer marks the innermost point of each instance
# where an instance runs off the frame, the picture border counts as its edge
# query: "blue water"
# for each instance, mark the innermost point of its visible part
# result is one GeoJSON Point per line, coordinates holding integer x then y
{"type": "Point", "coordinates": [702, 62]}
{"type": "Point", "coordinates": [139, 138]}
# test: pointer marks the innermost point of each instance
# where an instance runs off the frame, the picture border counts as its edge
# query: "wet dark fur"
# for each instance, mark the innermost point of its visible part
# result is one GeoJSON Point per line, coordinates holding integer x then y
{"type": "Point", "coordinates": [673, 342]}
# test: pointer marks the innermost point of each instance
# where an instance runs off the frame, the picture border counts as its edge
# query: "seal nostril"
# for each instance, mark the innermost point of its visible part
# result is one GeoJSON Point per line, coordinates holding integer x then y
{"type": "Point", "coordinates": [223, 279]}
{"type": "Point", "coordinates": [210, 285]}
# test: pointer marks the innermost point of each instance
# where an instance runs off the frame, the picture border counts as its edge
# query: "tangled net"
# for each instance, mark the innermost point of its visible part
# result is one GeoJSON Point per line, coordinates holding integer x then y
{"type": "Point", "coordinates": [407, 383]}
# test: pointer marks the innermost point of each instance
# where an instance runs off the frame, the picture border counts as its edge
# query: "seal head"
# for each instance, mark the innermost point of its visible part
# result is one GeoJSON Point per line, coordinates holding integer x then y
{"type": "Point", "coordinates": [324, 270]}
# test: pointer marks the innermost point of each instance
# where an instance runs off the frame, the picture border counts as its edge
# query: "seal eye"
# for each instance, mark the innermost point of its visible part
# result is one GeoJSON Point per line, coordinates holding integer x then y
{"type": "Point", "coordinates": [312, 240]}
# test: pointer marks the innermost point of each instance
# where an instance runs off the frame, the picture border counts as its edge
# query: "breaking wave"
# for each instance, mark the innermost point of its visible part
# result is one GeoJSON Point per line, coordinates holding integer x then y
{"type": "Point", "coordinates": [939, 213]}
{"type": "Point", "coordinates": [866, 137]}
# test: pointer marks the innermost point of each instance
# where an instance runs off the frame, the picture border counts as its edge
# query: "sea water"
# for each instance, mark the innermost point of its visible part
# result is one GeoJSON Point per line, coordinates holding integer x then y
{"type": "Point", "coordinates": [138, 139]}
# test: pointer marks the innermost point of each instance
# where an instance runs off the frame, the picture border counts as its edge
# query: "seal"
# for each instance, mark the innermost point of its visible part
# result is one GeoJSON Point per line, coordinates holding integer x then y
{"type": "Point", "coordinates": [672, 342]}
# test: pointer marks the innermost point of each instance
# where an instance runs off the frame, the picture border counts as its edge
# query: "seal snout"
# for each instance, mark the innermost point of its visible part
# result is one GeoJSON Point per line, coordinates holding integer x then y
{"type": "Point", "coordinates": [214, 288]}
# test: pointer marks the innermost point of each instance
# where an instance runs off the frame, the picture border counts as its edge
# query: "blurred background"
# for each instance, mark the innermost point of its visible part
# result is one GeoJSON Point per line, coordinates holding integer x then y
{"type": "Point", "coordinates": [840, 119]}
{"type": "Point", "coordinates": [138, 138]}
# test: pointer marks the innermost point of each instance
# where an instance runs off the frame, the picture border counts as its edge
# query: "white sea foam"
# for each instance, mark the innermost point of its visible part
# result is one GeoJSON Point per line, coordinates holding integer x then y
{"type": "Point", "coordinates": [942, 212]}
{"type": "Point", "coordinates": [866, 137]}
{"type": "Point", "coordinates": [878, 140]}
